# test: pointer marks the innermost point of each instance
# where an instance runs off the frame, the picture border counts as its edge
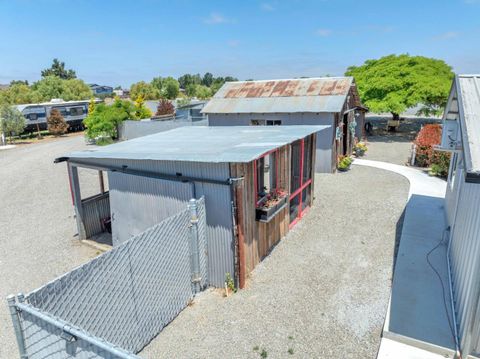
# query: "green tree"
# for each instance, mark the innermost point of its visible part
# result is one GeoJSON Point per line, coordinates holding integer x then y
{"type": "Point", "coordinates": [56, 123]}
{"type": "Point", "coordinates": [18, 93]}
{"type": "Point", "coordinates": [207, 79]}
{"type": "Point", "coordinates": [203, 92]}
{"type": "Point", "coordinates": [189, 79]}
{"type": "Point", "coordinates": [12, 121]}
{"type": "Point", "coordinates": [54, 87]}
{"type": "Point", "coordinates": [75, 89]}
{"type": "Point", "coordinates": [142, 88]}
{"type": "Point", "coordinates": [104, 120]}
{"type": "Point", "coordinates": [191, 90]}
{"type": "Point", "coordinates": [18, 82]}
{"type": "Point", "coordinates": [396, 82]}
{"type": "Point", "coordinates": [58, 69]}
{"type": "Point", "coordinates": [157, 82]}
{"type": "Point", "coordinates": [170, 88]}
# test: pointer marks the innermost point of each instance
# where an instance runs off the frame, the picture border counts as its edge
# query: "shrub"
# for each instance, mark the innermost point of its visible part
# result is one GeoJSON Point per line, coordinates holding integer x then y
{"type": "Point", "coordinates": [56, 123]}
{"type": "Point", "coordinates": [344, 163]}
{"type": "Point", "coordinates": [103, 121]}
{"type": "Point", "coordinates": [426, 156]}
{"type": "Point", "coordinates": [164, 107]}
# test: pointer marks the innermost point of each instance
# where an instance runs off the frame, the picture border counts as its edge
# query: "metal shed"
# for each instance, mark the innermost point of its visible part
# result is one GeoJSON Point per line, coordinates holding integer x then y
{"type": "Point", "coordinates": [461, 136]}
{"type": "Point", "coordinates": [257, 182]}
{"type": "Point", "coordinates": [331, 101]}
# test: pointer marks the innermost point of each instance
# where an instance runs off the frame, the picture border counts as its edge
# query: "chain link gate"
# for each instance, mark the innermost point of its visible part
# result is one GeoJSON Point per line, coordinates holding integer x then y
{"type": "Point", "coordinates": [114, 305]}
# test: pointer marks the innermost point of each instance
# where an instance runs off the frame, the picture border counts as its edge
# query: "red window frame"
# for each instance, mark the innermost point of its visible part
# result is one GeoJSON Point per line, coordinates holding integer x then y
{"type": "Point", "coordinates": [303, 185]}
{"type": "Point", "coordinates": [255, 170]}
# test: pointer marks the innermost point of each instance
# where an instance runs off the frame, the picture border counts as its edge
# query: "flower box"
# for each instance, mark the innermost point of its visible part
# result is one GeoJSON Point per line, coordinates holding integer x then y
{"type": "Point", "coordinates": [268, 211]}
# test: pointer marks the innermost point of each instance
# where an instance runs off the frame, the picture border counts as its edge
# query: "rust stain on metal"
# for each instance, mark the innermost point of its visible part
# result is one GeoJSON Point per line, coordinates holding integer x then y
{"type": "Point", "coordinates": [288, 88]}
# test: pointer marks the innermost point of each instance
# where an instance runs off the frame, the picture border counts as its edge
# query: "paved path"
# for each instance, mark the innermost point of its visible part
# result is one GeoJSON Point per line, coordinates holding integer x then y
{"type": "Point", "coordinates": [36, 223]}
{"type": "Point", "coordinates": [417, 316]}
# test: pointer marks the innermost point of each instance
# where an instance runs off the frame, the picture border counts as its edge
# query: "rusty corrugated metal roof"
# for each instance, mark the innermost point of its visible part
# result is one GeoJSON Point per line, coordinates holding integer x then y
{"type": "Point", "coordinates": [286, 88]}
{"type": "Point", "coordinates": [325, 94]}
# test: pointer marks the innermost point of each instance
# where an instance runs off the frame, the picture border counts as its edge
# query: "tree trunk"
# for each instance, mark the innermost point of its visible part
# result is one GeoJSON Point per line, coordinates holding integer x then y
{"type": "Point", "coordinates": [396, 116]}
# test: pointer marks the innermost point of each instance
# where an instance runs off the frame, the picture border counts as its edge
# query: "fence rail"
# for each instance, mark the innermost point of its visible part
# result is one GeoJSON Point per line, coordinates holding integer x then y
{"type": "Point", "coordinates": [114, 305]}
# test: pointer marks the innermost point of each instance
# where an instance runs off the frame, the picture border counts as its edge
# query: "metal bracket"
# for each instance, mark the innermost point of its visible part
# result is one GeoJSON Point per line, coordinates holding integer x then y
{"type": "Point", "coordinates": [68, 337]}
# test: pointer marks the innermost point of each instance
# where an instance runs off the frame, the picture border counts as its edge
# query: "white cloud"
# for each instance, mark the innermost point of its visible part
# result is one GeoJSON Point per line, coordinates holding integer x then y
{"type": "Point", "coordinates": [216, 18]}
{"type": "Point", "coordinates": [267, 7]}
{"type": "Point", "coordinates": [447, 35]}
{"type": "Point", "coordinates": [323, 32]}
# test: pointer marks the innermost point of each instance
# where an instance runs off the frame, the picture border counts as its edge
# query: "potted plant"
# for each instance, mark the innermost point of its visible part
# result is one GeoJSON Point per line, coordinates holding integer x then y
{"type": "Point", "coordinates": [344, 163]}
{"type": "Point", "coordinates": [274, 201]}
{"type": "Point", "coordinates": [360, 149]}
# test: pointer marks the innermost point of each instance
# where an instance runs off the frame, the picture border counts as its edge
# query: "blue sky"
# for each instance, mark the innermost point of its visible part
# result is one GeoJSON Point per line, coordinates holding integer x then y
{"type": "Point", "coordinates": [121, 42]}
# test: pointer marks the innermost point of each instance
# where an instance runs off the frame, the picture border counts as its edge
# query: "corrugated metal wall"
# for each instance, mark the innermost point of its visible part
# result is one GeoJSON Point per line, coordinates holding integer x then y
{"type": "Point", "coordinates": [95, 209]}
{"type": "Point", "coordinates": [465, 259]}
{"type": "Point", "coordinates": [325, 138]}
{"type": "Point", "coordinates": [462, 203]}
{"type": "Point", "coordinates": [221, 244]}
{"type": "Point", "coordinates": [138, 203]}
{"type": "Point", "coordinates": [133, 129]}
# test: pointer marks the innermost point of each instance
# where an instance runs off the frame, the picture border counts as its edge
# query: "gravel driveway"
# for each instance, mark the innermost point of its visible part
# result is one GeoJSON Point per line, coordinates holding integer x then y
{"type": "Point", "coordinates": [36, 223]}
{"type": "Point", "coordinates": [322, 292]}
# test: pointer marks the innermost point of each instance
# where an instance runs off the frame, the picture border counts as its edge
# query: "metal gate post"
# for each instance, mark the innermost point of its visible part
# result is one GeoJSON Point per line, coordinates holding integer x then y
{"type": "Point", "coordinates": [17, 326]}
{"type": "Point", "coordinates": [194, 244]}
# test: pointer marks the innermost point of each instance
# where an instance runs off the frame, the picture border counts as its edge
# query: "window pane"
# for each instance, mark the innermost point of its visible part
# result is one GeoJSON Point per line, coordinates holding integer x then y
{"type": "Point", "coordinates": [294, 207]}
{"type": "Point", "coordinates": [307, 159]}
{"type": "Point", "coordinates": [295, 175]}
{"type": "Point", "coordinates": [306, 197]}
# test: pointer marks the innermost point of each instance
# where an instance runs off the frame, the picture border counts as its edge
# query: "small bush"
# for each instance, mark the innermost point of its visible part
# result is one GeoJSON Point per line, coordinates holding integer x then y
{"type": "Point", "coordinates": [426, 156]}
{"type": "Point", "coordinates": [344, 163]}
{"type": "Point", "coordinates": [56, 123]}
{"type": "Point", "coordinates": [164, 107]}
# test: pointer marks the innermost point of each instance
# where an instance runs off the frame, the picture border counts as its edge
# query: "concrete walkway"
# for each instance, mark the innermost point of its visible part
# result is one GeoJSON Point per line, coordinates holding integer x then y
{"type": "Point", "coordinates": [417, 319]}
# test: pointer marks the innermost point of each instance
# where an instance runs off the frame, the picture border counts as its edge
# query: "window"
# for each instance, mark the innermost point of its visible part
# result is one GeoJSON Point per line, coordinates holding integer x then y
{"type": "Point", "coordinates": [32, 116]}
{"type": "Point", "coordinates": [266, 177]}
{"type": "Point", "coordinates": [63, 110]}
{"type": "Point", "coordinates": [265, 122]}
{"type": "Point", "coordinates": [76, 111]}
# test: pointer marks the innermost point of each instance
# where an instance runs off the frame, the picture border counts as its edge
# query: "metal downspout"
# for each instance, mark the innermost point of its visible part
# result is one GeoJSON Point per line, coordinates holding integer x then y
{"type": "Point", "coordinates": [458, 353]}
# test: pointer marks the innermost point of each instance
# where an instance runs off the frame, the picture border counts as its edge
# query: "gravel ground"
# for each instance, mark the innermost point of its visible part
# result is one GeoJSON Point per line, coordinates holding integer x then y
{"type": "Point", "coordinates": [37, 226]}
{"type": "Point", "coordinates": [321, 293]}
{"type": "Point", "coordinates": [393, 147]}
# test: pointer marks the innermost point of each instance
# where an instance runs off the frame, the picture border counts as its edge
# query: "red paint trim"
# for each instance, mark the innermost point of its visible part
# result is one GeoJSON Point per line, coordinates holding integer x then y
{"type": "Point", "coordinates": [255, 184]}
{"type": "Point", "coordinates": [302, 187]}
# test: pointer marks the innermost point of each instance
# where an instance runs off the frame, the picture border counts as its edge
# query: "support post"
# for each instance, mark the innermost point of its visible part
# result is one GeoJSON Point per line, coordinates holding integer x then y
{"type": "Point", "coordinates": [102, 183]}
{"type": "Point", "coordinates": [77, 200]}
{"type": "Point", "coordinates": [17, 326]}
{"type": "Point", "coordinates": [241, 237]}
{"type": "Point", "coordinates": [194, 244]}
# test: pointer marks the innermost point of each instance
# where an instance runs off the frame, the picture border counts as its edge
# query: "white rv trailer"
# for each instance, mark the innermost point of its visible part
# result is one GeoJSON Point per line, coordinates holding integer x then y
{"type": "Point", "coordinates": [36, 114]}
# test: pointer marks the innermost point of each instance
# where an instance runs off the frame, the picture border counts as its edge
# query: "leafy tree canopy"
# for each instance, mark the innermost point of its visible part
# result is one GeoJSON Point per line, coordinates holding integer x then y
{"type": "Point", "coordinates": [396, 82]}
{"type": "Point", "coordinates": [58, 69]}
{"type": "Point", "coordinates": [54, 87]}
{"type": "Point", "coordinates": [104, 119]}
{"type": "Point", "coordinates": [169, 87]}
{"type": "Point", "coordinates": [11, 120]}
{"type": "Point", "coordinates": [144, 89]}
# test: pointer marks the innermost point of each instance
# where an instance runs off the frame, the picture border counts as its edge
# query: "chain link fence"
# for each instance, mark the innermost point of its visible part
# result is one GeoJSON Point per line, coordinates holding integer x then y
{"type": "Point", "coordinates": [114, 305]}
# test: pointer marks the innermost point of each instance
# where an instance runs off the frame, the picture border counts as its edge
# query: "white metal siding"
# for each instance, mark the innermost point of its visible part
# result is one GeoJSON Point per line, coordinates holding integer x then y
{"type": "Point", "coordinates": [465, 258]}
